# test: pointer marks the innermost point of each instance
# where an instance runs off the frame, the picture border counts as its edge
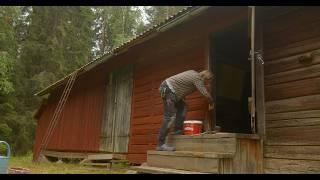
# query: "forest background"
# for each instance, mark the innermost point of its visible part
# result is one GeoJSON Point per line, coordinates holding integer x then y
{"type": "Point", "coordinates": [39, 45]}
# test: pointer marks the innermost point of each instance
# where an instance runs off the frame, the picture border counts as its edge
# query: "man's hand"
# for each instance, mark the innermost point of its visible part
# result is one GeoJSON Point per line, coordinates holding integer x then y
{"type": "Point", "coordinates": [211, 107]}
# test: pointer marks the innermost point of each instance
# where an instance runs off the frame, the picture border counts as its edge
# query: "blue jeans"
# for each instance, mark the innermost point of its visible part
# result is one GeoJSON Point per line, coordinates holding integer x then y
{"type": "Point", "coordinates": [175, 110]}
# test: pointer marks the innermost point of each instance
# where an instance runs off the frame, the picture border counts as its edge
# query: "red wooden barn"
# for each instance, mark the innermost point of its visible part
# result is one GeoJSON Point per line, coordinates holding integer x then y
{"type": "Point", "coordinates": [115, 107]}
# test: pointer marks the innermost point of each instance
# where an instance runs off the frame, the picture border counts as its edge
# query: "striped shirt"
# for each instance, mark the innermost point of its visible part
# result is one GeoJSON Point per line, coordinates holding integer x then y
{"type": "Point", "coordinates": [186, 83]}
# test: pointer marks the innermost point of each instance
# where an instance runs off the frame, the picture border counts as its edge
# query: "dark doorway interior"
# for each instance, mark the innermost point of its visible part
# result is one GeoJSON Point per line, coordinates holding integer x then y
{"type": "Point", "coordinates": [229, 50]}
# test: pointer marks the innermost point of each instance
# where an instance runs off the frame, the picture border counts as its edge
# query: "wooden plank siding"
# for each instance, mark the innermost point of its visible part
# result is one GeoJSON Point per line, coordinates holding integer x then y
{"type": "Point", "coordinates": [292, 91]}
{"type": "Point", "coordinates": [167, 53]}
{"type": "Point", "coordinates": [286, 166]}
{"type": "Point", "coordinates": [147, 103]}
{"type": "Point", "coordinates": [293, 152]}
{"type": "Point", "coordinates": [78, 130]}
{"type": "Point", "coordinates": [180, 49]}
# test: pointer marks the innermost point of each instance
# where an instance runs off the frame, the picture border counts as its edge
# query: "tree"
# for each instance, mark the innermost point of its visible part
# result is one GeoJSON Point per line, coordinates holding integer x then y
{"type": "Point", "coordinates": [52, 41]}
{"type": "Point", "coordinates": [114, 25]}
{"type": "Point", "coordinates": [157, 14]}
{"type": "Point", "coordinates": [8, 46]}
{"type": "Point", "coordinates": [39, 45]}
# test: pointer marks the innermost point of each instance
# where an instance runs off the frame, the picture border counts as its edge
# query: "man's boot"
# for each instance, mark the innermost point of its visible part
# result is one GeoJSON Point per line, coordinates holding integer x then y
{"type": "Point", "coordinates": [165, 147]}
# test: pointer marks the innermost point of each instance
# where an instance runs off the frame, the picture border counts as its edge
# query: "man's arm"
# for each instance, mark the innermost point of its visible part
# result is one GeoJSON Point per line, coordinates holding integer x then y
{"type": "Point", "coordinates": [201, 87]}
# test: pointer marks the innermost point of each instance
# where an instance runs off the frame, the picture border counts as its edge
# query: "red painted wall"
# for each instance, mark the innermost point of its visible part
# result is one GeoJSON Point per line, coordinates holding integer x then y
{"type": "Point", "coordinates": [180, 49]}
{"type": "Point", "coordinates": [147, 108]}
{"type": "Point", "coordinates": [79, 126]}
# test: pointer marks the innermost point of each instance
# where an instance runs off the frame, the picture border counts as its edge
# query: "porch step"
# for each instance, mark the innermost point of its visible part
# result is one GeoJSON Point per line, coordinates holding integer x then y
{"type": "Point", "coordinates": [105, 160]}
{"type": "Point", "coordinates": [106, 156]}
{"type": "Point", "coordinates": [156, 170]}
{"type": "Point", "coordinates": [219, 142]}
{"type": "Point", "coordinates": [106, 165]}
{"type": "Point", "coordinates": [204, 162]}
{"type": "Point", "coordinates": [100, 157]}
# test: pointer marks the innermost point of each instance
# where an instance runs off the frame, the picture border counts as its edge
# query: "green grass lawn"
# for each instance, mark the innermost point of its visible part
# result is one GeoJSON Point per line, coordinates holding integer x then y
{"type": "Point", "coordinates": [61, 168]}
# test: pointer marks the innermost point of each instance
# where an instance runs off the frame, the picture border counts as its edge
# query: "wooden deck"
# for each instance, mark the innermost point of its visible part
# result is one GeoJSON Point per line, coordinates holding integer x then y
{"type": "Point", "coordinates": [156, 170]}
{"type": "Point", "coordinates": [221, 153]}
{"type": "Point", "coordinates": [82, 155]}
{"type": "Point", "coordinates": [87, 159]}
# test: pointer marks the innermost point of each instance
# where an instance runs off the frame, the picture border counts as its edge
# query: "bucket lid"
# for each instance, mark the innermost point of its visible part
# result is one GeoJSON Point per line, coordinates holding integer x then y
{"type": "Point", "coordinates": [193, 122]}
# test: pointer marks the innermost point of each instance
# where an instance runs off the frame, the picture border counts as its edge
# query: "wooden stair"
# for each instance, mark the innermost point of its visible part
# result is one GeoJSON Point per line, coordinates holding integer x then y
{"type": "Point", "coordinates": [206, 162]}
{"type": "Point", "coordinates": [105, 160]}
{"type": "Point", "coordinates": [145, 169]}
{"type": "Point", "coordinates": [221, 153]}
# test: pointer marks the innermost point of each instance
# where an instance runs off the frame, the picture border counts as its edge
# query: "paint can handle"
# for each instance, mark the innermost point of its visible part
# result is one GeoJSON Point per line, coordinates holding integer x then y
{"type": "Point", "coordinates": [8, 148]}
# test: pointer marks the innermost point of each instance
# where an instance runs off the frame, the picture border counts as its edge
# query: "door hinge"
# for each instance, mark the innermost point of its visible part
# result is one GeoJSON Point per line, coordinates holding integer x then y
{"type": "Point", "coordinates": [258, 55]}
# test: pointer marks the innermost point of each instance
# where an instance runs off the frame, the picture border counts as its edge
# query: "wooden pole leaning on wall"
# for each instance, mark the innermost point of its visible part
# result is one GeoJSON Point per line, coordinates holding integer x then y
{"type": "Point", "coordinates": [57, 113]}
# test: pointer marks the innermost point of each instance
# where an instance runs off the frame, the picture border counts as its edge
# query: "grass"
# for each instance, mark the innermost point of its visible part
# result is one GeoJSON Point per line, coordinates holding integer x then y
{"type": "Point", "coordinates": [61, 168]}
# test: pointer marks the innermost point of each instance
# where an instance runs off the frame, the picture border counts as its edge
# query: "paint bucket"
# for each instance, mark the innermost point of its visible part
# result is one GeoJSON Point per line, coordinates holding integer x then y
{"type": "Point", "coordinates": [4, 159]}
{"type": "Point", "coordinates": [192, 127]}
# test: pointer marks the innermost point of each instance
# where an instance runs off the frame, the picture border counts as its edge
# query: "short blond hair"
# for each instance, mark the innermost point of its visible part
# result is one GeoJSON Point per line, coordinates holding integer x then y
{"type": "Point", "coordinates": [206, 74]}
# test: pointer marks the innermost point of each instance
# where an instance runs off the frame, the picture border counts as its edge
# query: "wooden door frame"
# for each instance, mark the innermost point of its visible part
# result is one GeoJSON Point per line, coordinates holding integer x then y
{"type": "Point", "coordinates": [259, 76]}
{"type": "Point", "coordinates": [210, 65]}
{"type": "Point", "coordinates": [260, 95]}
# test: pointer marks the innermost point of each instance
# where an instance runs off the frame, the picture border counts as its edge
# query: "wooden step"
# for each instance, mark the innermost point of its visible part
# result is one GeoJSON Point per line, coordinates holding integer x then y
{"type": "Point", "coordinates": [100, 157]}
{"type": "Point", "coordinates": [192, 154]}
{"type": "Point", "coordinates": [206, 162]}
{"type": "Point", "coordinates": [69, 155]}
{"type": "Point", "coordinates": [156, 170]}
{"type": "Point", "coordinates": [219, 142]}
{"type": "Point", "coordinates": [106, 156]}
{"type": "Point", "coordinates": [119, 161]}
{"type": "Point", "coordinates": [107, 165]}
{"type": "Point", "coordinates": [79, 155]}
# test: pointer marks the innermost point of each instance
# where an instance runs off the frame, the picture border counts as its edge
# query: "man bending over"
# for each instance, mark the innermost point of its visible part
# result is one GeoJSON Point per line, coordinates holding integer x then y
{"type": "Point", "coordinates": [173, 91]}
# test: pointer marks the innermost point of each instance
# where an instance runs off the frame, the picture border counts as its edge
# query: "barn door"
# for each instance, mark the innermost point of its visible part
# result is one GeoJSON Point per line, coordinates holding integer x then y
{"type": "Point", "coordinates": [116, 121]}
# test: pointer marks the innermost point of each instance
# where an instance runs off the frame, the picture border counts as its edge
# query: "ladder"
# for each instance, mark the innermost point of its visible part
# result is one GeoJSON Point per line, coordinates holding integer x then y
{"type": "Point", "coordinates": [57, 113]}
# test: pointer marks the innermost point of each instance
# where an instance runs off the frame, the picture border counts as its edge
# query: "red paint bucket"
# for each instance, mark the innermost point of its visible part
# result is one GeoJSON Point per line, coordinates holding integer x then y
{"type": "Point", "coordinates": [192, 127]}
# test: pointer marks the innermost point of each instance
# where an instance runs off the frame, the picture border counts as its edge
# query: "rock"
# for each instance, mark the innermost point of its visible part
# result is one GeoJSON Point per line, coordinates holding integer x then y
{"type": "Point", "coordinates": [59, 161]}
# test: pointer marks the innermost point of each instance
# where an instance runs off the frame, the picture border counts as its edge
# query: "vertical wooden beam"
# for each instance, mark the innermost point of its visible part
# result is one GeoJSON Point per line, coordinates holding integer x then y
{"type": "Point", "coordinates": [210, 115]}
{"type": "Point", "coordinates": [132, 102]}
{"type": "Point", "coordinates": [207, 53]}
{"type": "Point", "coordinates": [260, 99]}
{"type": "Point", "coordinates": [253, 70]}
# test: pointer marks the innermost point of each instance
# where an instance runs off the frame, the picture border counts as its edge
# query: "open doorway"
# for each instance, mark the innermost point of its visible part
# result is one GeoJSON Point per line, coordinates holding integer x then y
{"type": "Point", "coordinates": [229, 50]}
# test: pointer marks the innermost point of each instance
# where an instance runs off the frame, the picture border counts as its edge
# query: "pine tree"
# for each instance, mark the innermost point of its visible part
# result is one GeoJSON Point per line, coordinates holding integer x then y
{"type": "Point", "coordinates": [39, 45]}
{"type": "Point", "coordinates": [157, 14]}
{"type": "Point", "coordinates": [53, 41]}
{"type": "Point", "coordinates": [7, 47]}
{"type": "Point", "coordinates": [114, 25]}
{"type": "Point", "coordinates": [8, 52]}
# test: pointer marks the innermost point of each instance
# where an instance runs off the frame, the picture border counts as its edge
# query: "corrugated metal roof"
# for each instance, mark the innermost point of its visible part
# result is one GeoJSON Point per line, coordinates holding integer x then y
{"type": "Point", "coordinates": [151, 28]}
{"type": "Point", "coordinates": [123, 46]}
